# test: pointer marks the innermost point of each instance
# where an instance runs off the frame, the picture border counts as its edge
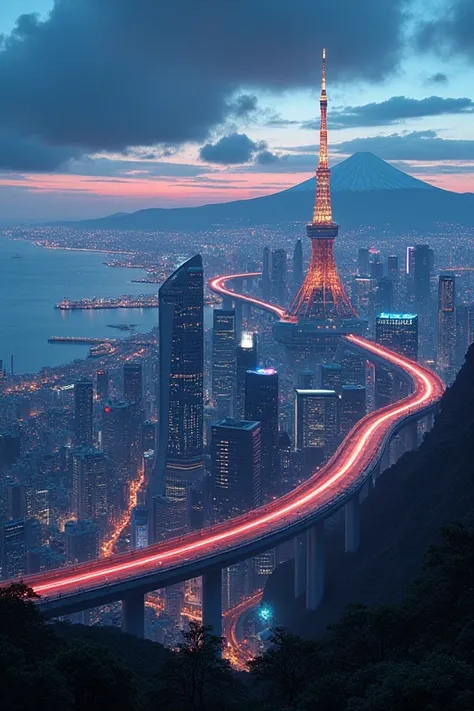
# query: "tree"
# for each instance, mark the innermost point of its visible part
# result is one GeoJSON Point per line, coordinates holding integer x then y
{"type": "Point", "coordinates": [197, 677]}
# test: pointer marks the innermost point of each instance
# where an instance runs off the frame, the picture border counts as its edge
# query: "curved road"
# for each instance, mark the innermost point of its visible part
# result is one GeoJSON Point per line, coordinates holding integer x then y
{"type": "Point", "coordinates": [262, 528]}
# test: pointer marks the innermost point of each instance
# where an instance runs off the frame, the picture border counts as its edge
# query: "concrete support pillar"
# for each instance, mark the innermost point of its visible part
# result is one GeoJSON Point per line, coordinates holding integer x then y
{"type": "Point", "coordinates": [352, 524]}
{"type": "Point", "coordinates": [227, 303]}
{"type": "Point", "coordinates": [429, 421]}
{"type": "Point", "coordinates": [238, 319]}
{"type": "Point", "coordinates": [133, 614]}
{"type": "Point", "coordinates": [366, 489]}
{"type": "Point", "coordinates": [300, 564]}
{"type": "Point", "coordinates": [411, 436]}
{"type": "Point", "coordinates": [314, 566]}
{"type": "Point", "coordinates": [212, 600]}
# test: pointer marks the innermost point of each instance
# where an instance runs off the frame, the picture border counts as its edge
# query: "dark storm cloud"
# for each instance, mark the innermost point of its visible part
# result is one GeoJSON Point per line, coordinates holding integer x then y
{"type": "Point", "coordinates": [394, 110]}
{"type": "Point", "coordinates": [451, 30]}
{"type": "Point", "coordinates": [416, 145]}
{"type": "Point", "coordinates": [108, 74]}
{"type": "Point", "coordinates": [33, 154]}
{"type": "Point", "coordinates": [236, 148]}
{"type": "Point", "coordinates": [438, 78]}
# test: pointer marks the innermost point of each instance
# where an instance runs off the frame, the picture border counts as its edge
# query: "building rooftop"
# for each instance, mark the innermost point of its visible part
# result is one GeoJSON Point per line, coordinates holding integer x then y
{"type": "Point", "coordinates": [397, 316]}
{"type": "Point", "coordinates": [237, 424]}
{"type": "Point", "coordinates": [317, 393]}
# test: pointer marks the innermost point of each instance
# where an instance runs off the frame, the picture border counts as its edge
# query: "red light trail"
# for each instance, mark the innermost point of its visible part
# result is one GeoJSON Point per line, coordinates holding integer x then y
{"type": "Point", "coordinates": [342, 471]}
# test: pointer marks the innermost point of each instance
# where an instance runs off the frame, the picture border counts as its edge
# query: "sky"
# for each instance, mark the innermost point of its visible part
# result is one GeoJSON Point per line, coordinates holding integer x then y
{"type": "Point", "coordinates": [118, 105]}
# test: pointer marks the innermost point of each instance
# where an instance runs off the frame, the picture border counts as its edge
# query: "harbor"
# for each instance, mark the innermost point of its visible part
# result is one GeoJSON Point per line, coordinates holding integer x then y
{"type": "Point", "coordinates": [126, 301]}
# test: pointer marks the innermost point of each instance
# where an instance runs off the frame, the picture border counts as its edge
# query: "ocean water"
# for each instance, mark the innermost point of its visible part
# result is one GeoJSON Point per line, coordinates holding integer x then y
{"type": "Point", "coordinates": [32, 284]}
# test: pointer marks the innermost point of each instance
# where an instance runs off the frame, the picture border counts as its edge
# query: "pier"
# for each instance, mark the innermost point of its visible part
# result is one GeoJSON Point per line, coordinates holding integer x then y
{"type": "Point", "coordinates": [82, 340]}
{"type": "Point", "coordinates": [126, 301]}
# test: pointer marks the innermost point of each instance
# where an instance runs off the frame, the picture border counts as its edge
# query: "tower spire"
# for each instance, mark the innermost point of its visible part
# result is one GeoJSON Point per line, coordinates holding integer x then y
{"type": "Point", "coordinates": [322, 214]}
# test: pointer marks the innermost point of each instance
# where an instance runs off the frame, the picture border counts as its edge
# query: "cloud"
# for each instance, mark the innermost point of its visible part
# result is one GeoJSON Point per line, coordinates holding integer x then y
{"type": "Point", "coordinates": [103, 76]}
{"type": "Point", "coordinates": [450, 30]}
{"type": "Point", "coordinates": [415, 145]}
{"type": "Point", "coordinates": [33, 154]}
{"type": "Point", "coordinates": [438, 78]}
{"type": "Point", "coordinates": [393, 110]}
{"type": "Point", "coordinates": [244, 105]}
{"type": "Point", "coordinates": [236, 148]}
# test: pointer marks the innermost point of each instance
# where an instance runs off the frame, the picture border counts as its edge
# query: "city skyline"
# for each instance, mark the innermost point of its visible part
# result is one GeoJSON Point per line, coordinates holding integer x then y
{"type": "Point", "coordinates": [412, 106]}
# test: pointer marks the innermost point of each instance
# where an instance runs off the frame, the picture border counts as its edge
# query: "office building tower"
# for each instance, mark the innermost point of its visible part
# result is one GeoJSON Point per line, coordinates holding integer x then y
{"type": "Point", "coordinates": [392, 267]}
{"type": "Point", "coordinates": [16, 501]}
{"type": "Point", "coordinates": [298, 271]}
{"type": "Point", "coordinates": [148, 436]}
{"type": "Point", "coordinates": [384, 387]}
{"type": "Point", "coordinates": [423, 259]}
{"type": "Point", "coordinates": [261, 405]}
{"type": "Point", "coordinates": [82, 541]}
{"type": "Point", "coordinates": [10, 447]}
{"type": "Point", "coordinates": [83, 399]}
{"type": "Point", "coordinates": [317, 420]}
{"type": "Point", "coordinates": [266, 273]}
{"type": "Point", "coordinates": [43, 558]}
{"type": "Point", "coordinates": [117, 435]}
{"type": "Point", "coordinates": [353, 407]}
{"type": "Point", "coordinates": [332, 377]}
{"type": "Point", "coordinates": [363, 267]}
{"type": "Point", "coordinates": [89, 485]}
{"type": "Point", "coordinates": [223, 360]}
{"type": "Point", "coordinates": [376, 267]}
{"type": "Point", "coordinates": [279, 270]}
{"type": "Point", "coordinates": [410, 261]}
{"type": "Point", "coordinates": [383, 298]}
{"type": "Point", "coordinates": [353, 366]}
{"type": "Point", "coordinates": [180, 457]}
{"type": "Point", "coordinates": [363, 295]}
{"type": "Point", "coordinates": [446, 356]}
{"type": "Point", "coordinates": [102, 386]}
{"type": "Point", "coordinates": [393, 272]}
{"type": "Point", "coordinates": [16, 538]}
{"type": "Point", "coordinates": [398, 332]}
{"type": "Point", "coordinates": [235, 468]}
{"type": "Point", "coordinates": [38, 504]}
{"type": "Point", "coordinates": [170, 517]}
{"type": "Point", "coordinates": [246, 359]}
{"type": "Point", "coordinates": [133, 385]}
{"type": "Point", "coordinates": [139, 526]}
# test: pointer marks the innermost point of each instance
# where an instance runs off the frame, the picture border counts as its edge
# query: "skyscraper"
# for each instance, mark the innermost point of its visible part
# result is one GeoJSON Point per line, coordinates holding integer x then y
{"type": "Point", "coordinates": [332, 377]}
{"type": "Point", "coordinates": [133, 384]}
{"type": "Point", "coordinates": [423, 259]}
{"type": "Point", "coordinates": [223, 360]}
{"type": "Point", "coordinates": [384, 295]}
{"type": "Point", "coordinates": [89, 485]}
{"type": "Point", "coordinates": [16, 538]}
{"type": "Point", "coordinates": [266, 273]}
{"type": "Point", "coordinates": [139, 526]}
{"type": "Point", "coordinates": [180, 463]}
{"type": "Point", "coordinates": [83, 399]}
{"type": "Point", "coordinates": [353, 407]}
{"type": "Point", "coordinates": [246, 359]}
{"type": "Point", "coordinates": [102, 386]}
{"type": "Point", "coordinates": [279, 270]}
{"type": "Point", "coordinates": [317, 420]}
{"type": "Point", "coordinates": [261, 405]}
{"type": "Point", "coordinates": [298, 273]}
{"type": "Point", "coordinates": [363, 262]}
{"type": "Point", "coordinates": [117, 435]}
{"type": "Point", "coordinates": [82, 541]}
{"type": "Point", "coordinates": [235, 468]}
{"type": "Point", "coordinates": [399, 332]}
{"type": "Point", "coordinates": [446, 357]}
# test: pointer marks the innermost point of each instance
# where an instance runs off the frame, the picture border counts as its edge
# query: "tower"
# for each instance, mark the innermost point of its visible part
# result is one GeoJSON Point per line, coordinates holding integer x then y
{"type": "Point", "coordinates": [261, 405]}
{"type": "Point", "coordinates": [246, 359]}
{"type": "Point", "coordinates": [83, 396]}
{"type": "Point", "coordinates": [223, 360]}
{"type": "Point", "coordinates": [446, 356]}
{"type": "Point", "coordinates": [322, 295]}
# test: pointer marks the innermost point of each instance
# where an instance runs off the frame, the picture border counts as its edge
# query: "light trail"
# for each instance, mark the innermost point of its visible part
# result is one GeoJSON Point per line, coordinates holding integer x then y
{"type": "Point", "coordinates": [107, 547]}
{"type": "Point", "coordinates": [340, 473]}
{"type": "Point", "coordinates": [234, 652]}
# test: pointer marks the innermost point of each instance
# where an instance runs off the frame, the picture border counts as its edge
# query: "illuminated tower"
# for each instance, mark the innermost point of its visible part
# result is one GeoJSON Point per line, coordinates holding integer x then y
{"type": "Point", "coordinates": [322, 296]}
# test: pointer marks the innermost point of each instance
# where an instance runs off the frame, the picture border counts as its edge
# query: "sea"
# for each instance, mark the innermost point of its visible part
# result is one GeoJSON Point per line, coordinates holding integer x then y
{"type": "Point", "coordinates": [33, 279]}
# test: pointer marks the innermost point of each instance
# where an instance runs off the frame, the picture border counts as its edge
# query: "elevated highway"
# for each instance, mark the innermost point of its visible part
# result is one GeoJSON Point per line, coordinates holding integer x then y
{"type": "Point", "coordinates": [298, 515]}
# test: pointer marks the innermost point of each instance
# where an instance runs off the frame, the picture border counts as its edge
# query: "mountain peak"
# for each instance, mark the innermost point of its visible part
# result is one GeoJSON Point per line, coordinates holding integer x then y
{"type": "Point", "coordinates": [365, 171]}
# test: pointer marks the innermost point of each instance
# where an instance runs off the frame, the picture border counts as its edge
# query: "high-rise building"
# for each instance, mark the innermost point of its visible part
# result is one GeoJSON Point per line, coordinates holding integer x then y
{"type": "Point", "coordinates": [423, 260]}
{"type": "Point", "coordinates": [16, 501]}
{"type": "Point", "coordinates": [398, 332]}
{"type": "Point", "coordinates": [82, 541]}
{"type": "Point", "coordinates": [83, 402]}
{"type": "Point", "coordinates": [117, 435]}
{"type": "Point", "coordinates": [317, 420]}
{"type": "Point", "coordinates": [139, 526]}
{"type": "Point", "coordinates": [223, 360]}
{"type": "Point", "coordinates": [261, 405]}
{"type": "Point", "coordinates": [332, 377]}
{"type": "Point", "coordinates": [235, 468]}
{"type": "Point", "coordinates": [305, 379]}
{"type": "Point", "coordinates": [266, 273]}
{"type": "Point", "coordinates": [383, 298]}
{"type": "Point", "coordinates": [298, 273]}
{"type": "Point", "coordinates": [180, 462]}
{"type": "Point", "coordinates": [363, 267]}
{"type": "Point", "coordinates": [246, 359]}
{"type": "Point", "coordinates": [16, 538]}
{"type": "Point", "coordinates": [170, 517]}
{"type": "Point", "coordinates": [102, 386]}
{"type": "Point", "coordinates": [89, 485]}
{"type": "Point", "coordinates": [353, 366]}
{"type": "Point", "coordinates": [446, 357]}
{"type": "Point", "coordinates": [279, 271]}
{"type": "Point", "coordinates": [410, 261]}
{"type": "Point", "coordinates": [133, 384]}
{"type": "Point", "coordinates": [363, 295]}
{"type": "Point", "coordinates": [148, 436]}
{"type": "Point", "coordinates": [392, 267]}
{"type": "Point", "coordinates": [376, 266]}
{"type": "Point", "coordinates": [353, 407]}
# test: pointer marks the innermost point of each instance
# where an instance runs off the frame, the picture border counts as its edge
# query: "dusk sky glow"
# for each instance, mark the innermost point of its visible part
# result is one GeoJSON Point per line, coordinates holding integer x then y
{"type": "Point", "coordinates": [121, 105]}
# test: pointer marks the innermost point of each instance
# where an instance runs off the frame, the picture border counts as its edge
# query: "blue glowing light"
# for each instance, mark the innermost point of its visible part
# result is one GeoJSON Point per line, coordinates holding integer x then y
{"type": "Point", "coordinates": [265, 613]}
